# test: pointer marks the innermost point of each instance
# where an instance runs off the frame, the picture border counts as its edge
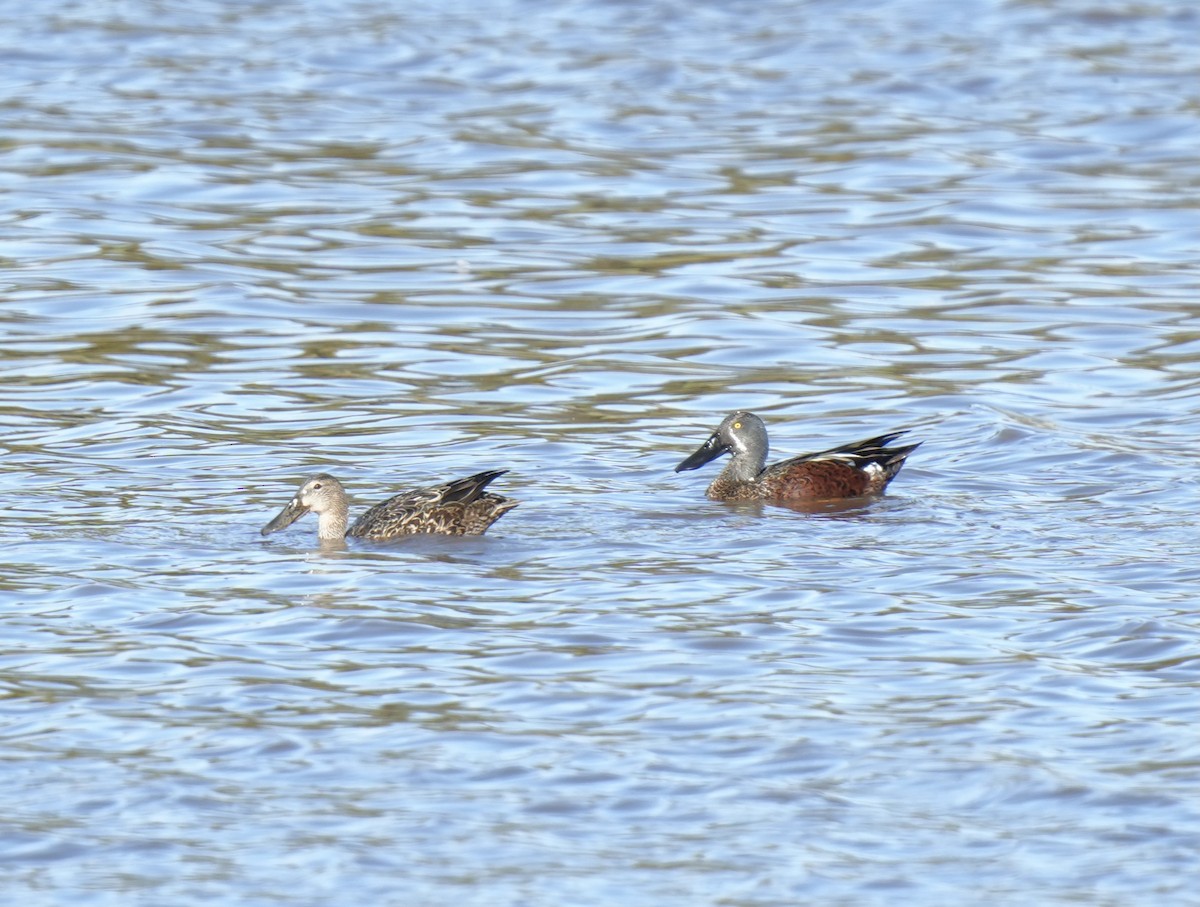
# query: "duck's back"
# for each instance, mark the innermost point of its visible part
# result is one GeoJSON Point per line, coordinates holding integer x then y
{"type": "Point", "coordinates": [461, 507]}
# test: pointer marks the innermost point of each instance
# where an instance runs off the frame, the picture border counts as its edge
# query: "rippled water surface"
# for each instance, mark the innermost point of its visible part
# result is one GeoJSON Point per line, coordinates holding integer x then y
{"type": "Point", "coordinates": [246, 242]}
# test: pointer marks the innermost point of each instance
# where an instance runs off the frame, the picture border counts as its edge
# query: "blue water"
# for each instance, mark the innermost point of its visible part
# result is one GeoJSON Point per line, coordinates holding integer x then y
{"type": "Point", "coordinates": [405, 243]}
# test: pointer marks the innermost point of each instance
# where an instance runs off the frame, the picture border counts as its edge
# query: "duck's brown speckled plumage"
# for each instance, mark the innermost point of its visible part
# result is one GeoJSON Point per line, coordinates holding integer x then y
{"type": "Point", "coordinates": [461, 507]}
{"type": "Point", "coordinates": [850, 471]}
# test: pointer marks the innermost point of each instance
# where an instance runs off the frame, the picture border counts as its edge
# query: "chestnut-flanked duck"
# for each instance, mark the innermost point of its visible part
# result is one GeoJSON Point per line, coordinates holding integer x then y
{"type": "Point", "coordinates": [850, 471]}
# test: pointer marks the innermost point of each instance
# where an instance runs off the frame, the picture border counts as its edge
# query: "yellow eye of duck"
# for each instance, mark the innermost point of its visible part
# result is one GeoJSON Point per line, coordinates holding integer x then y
{"type": "Point", "coordinates": [737, 424]}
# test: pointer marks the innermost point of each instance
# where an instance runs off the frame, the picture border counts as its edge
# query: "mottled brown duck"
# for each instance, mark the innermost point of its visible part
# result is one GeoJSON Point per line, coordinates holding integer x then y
{"type": "Point", "coordinates": [850, 471]}
{"type": "Point", "coordinates": [462, 507]}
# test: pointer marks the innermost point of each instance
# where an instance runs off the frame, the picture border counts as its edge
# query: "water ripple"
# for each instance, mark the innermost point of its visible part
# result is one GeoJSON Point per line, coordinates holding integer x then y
{"type": "Point", "coordinates": [408, 244]}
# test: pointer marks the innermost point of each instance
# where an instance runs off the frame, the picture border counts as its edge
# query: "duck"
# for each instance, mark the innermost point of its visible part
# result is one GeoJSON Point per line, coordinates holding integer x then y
{"type": "Point", "coordinates": [461, 507]}
{"type": "Point", "coordinates": [856, 470]}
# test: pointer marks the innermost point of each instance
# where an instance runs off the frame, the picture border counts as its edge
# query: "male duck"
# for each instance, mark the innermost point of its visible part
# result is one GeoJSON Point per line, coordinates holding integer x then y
{"type": "Point", "coordinates": [850, 471]}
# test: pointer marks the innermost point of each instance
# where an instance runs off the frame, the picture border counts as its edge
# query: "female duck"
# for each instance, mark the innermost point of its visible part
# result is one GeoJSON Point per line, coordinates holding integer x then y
{"type": "Point", "coordinates": [461, 507]}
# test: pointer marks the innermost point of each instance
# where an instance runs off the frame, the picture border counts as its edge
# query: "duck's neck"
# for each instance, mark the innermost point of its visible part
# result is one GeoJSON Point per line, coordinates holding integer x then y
{"type": "Point", "coordinates": [333, 522]}
{"type": "Point", "coordinates": [744, 466]}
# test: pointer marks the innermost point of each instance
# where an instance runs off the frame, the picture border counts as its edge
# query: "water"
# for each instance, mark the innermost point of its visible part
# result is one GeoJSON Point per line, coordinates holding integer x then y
{"type": "Point", "coordinates": [244, 243]}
